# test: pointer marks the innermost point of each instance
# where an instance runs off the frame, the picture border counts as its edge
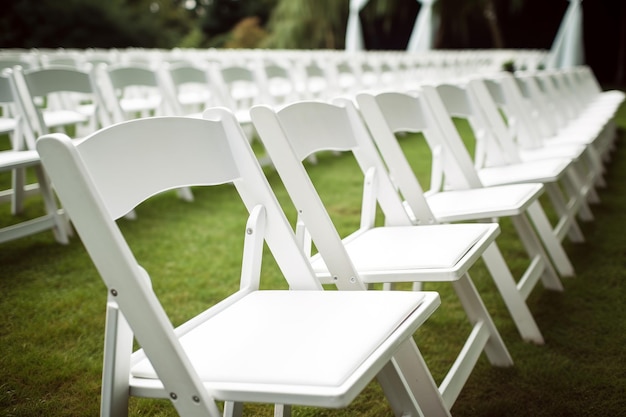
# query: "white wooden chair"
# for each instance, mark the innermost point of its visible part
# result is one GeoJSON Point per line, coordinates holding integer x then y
{"type": "Point", "coordinates": [464, 198]}
{"type": "Point", "coordinates": [15, 161]}
{"type": "Point", "coordinates": [594, 101]}
{"type": "Point", "coordinates": [298, 346]}
{"type": "Point", "coordinates": [60, 98]}
{"type": "Point", "coordinates": [561, 118]}
{"type": "Point", "coordinates": [238, 87]}
{"type": "Point", "coordinates": [130, 91]}
{"type": "Point", "coordinates": [497, 162]}
{"type": "Point", "coordinates": [188, 88]}
{"type": "Point", "coordinates": [505, 93]}
{"type": "Point", "coordinates": [394, 253]}
{"type": "Point", "coordinates": [277, 82]}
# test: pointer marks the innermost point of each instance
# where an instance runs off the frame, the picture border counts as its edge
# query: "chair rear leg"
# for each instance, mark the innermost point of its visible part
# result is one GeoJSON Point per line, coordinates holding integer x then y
{"type": "Point", "coordinates": [540, 258]}
{"type": "Point", "coordinates": [483, 338]}
{"type": "Point", "coordinates": [566, 212]}
{"type": "Point", "coordinates": [550, 240]}
{"type": "Point", "coordinates": [409, 386]}
{"type": "Point", "coordinates": [515, 303]}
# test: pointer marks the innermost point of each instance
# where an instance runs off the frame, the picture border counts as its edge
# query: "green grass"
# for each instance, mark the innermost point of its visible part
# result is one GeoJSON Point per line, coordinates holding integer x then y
{"type": "Point", "coordinates": [52, 306]}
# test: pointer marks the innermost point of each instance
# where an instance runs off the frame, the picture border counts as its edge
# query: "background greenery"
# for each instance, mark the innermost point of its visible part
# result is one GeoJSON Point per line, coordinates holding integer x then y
{"type": "Point", "coordinates": [52, 305]}
{"type": "Point", "coordinates": [310, 24]}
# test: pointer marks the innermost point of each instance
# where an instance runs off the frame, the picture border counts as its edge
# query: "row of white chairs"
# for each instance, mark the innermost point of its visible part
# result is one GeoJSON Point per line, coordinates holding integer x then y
{"type": "Point", "coordinates": [64, 92]}
{"type": "Point", "coordinates": [335, 342]}
{"type": "Point", "coordinates": [93, 97]}
{"type": "Point", "coordinates": [485, 58]}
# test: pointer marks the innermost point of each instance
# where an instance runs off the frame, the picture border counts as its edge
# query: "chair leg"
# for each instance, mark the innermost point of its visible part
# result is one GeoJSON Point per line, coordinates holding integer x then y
{"type": "Point", "coordinates": [118, 339]}
{"type": "Point", "coordinates": [575, 187]}
{"type": "Point", "coordinates": [61, 228]}
{"type": "Point", "coordinates": [18, 187]}
{"type": "Point", "coordinates": [496, 350]}
{"type": "Point", "coordinates": [513, 299]}
{"type": "Point", "coordinates": [483, 338]}
{"type": "Point", "coordinates": [409, 386]}
{"type": "Point", "coordinates": [282, 410]}
{"type": "Point", "coordinates": [567, 216]}
{"type": "Point", "coordinates": [185, 194]}
{"type": "Point", "coordinates": [534, 248]}
{"type": "Point", "coordinates": [233, 409]}
{"type": "Point", "coordinates": [550, 241]}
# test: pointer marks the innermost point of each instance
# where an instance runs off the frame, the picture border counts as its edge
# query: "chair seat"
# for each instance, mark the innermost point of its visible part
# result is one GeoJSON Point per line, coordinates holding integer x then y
{"type": "Point", "coordinates": [544, 170]}
{"type": "Point", "coordinates": [194, 97]}
{"type": "Point", "coordinates": [262, 348]}
{"type": "Point", "coordinates": [139, 104]}
{"type": "Point", "coordinates": [391, 251]}
{"type": "Point", "coordinates": [57, 118]}
{"type": "Point", "coordinates": [7, 124]}
{"type": "Point", "coordinates": [555, 150]}
{"type": "Point", "coordinates": [483, 203]}
{"type": "Point", "coordinates": [17, 159]}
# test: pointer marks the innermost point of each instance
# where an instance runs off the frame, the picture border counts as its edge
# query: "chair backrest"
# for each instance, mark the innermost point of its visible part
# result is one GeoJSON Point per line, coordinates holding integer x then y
{"type": "Point", "coordinates": [541, 94]}
{"type": "Point", "coordinates": [391, 113]}
{"type": "Point", "coordinates": [470, 101]}
{"type": "Point", "coordinates": [506, 93]}
{"type": "Point", "coordinates": [13, 61]}
{"type": "Point", "coordinates": [10, 121]}
{"type": "Point", "coordinates": [110, 172]}
{"type": "Point", "coordinates": [301, 129]}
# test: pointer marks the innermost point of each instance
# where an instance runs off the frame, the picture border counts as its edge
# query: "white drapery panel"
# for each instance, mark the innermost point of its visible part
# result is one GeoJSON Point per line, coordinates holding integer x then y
{"type": "Point", "coordinates": [354, 33]}
{"type": "Point", "coordinates": [567, 48]}
{"type": "Point", "coordinates": [424, 29]}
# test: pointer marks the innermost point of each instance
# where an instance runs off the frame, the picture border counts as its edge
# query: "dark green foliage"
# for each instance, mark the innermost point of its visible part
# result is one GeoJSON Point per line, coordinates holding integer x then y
{"type": "Point", "coordinates": [89, 23]}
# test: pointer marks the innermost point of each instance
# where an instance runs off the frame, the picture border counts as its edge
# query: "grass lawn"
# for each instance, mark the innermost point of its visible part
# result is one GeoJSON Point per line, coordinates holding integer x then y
{"type": "Point", "coordinates": [52, 306]}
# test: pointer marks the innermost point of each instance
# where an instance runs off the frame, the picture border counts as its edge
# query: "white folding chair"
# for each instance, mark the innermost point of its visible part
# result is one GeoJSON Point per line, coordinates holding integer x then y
{"type": "Point", "coordinates": [277, 82]}
{"type": "Point", "coordinates": [299, 346]}
{"type": "Point", "coordinates": [15, 161]}
{"type": "Point", "coordinates": [497, 162]}
{"type": "Point", "coordinates": [313, 80]}
{"type": "Point", "coordinates": [130, 91]}
{"type": "Point", "coordinates": [60, 98]}
{"type": "Point", "coordinates": [188, 88]}
{"type": "Point", "coordinates": [392, 113]}
{"type": "Point", "coordinates": [595, 102]}
{"type": "Point", "coordinates": [505, 93]}
{"type": "Point", "coordinates": [561, 117]}
{"type": "Point", "coordinates": [239, 88]}
{"type": "Point", "coordinates": [394, 253]}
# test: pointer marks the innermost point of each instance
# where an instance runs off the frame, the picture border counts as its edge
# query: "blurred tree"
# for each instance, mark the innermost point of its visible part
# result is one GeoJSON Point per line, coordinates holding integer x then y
{"type": "Point", "coordinates": [463, 19]}
{"type": "Point", "coordinates": [247, 34]}
{"type": "Point", "coordinates": [219, 17]}
{"type": "Point", "coordinates": [92, 23]}
{"type": "Point", "coordinates": [308, 24]}
{"type": "Point", "coordinates": [388, 24]}
{"type": "Point", "coordinates": [312, 24]}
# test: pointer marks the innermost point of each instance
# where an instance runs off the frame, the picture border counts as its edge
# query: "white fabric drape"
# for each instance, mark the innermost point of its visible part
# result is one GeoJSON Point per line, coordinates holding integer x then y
{"type": "Point", "coordinates": [424, 29]}
{"type": "Point", "coordinates": [354, 33]}
{"type": "Point", "coordinates": [567, 48]}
